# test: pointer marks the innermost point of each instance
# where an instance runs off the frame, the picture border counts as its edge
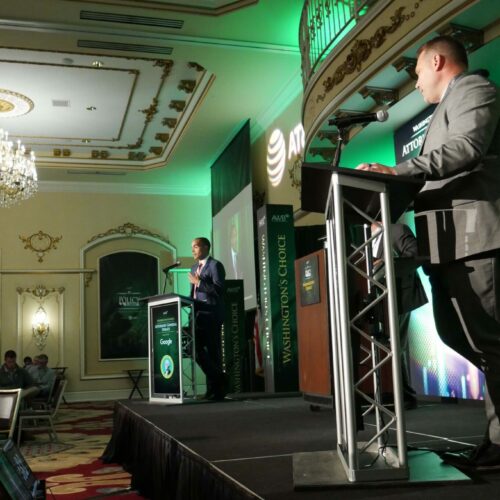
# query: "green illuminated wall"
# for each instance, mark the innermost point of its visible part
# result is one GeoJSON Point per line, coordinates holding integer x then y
{"type": "Point", "coordinates": [379, 149]}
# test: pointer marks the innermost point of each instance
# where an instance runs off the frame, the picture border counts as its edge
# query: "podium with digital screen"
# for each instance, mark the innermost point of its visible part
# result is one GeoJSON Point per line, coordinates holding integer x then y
{"type": "Point", "coordinates": [171, 340]}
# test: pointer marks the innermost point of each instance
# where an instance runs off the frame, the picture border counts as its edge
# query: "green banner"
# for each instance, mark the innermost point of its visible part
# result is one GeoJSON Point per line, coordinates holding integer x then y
{"type": "Point", "coordinates": [276, 245]}
{"type": "Point", "coordinates": [124, 278]}
{"type": "Point", "coordinates": [233, 335]}
{"type": "Point", "coordinates": [167, 370]}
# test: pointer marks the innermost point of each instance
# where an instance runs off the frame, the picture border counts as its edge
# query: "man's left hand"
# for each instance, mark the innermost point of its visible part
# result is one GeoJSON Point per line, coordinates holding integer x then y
{"type": "Point", "coordinates": [376, 167]}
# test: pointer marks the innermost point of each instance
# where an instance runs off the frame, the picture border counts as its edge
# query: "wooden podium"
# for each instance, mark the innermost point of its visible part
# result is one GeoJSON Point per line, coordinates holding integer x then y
{"type": "Point", "coordinates": [313, 334]}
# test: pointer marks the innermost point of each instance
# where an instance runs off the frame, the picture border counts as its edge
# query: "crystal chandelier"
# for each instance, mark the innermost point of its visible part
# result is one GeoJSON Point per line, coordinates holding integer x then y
{"type": "Point", "coordinates": [18, 179]}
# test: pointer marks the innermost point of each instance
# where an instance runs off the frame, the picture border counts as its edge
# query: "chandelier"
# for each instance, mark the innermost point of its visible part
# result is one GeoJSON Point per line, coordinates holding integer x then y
{"type": "Point", "coordinates": [18, 179]}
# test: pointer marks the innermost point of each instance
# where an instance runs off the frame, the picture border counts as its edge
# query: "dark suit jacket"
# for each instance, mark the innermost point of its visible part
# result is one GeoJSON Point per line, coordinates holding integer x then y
{"type": "Point", "coordinates": [210, 292]}
{"type": "Point", "coordinates": [409, 289]}
{"type": "Point", "coordinates": [457, 213]}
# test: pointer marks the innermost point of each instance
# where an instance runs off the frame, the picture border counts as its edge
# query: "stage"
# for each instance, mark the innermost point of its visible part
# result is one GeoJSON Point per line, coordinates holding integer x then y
{"type": "Point", "coordinates": [244, 449]}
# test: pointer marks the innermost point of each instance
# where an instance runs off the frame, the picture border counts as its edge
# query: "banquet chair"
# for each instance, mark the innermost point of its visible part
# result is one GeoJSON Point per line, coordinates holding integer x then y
{"type": "Point", "coordinates": [9, 409]}
{"type": "Point", "coordinates": [38, 416]}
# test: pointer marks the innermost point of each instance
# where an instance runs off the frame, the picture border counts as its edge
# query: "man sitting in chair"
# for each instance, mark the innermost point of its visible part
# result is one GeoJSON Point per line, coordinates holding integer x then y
{"type": "Point", "coordinates": [42, 375]}
{"type": "Point", "coordinates": [12, 376]}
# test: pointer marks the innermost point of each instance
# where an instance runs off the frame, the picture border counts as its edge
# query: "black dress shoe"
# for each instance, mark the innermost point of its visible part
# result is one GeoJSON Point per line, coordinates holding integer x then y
{"type": "Point", "coordinates": [485, 457]}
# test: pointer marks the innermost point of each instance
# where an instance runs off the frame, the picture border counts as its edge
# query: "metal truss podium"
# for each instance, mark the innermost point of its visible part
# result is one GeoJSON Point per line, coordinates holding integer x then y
{"type": "Point", "coordinates": [171, 341]}
{"type": "Point", "coordinates": [366, 199]}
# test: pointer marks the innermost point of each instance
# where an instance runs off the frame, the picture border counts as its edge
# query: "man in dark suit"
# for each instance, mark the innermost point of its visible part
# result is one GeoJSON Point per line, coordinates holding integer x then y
{"type": "Point", "coordinates": [457, 216]}
{"type": "Point", "coordinates": [207, 279]}
{"type": "Point", "coordinates": [410, 295]}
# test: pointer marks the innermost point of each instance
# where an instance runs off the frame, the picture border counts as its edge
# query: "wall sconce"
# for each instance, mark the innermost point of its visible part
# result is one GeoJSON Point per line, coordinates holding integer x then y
{"type": "Point", "coordinates": [40, 328]}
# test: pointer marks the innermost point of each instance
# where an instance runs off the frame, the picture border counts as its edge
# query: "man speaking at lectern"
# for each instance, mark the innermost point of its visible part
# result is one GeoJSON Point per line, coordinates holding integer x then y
{"type": "Point", "coordinates": [207, 278]}
{"type": "Point", "coordinates": [457, 216]}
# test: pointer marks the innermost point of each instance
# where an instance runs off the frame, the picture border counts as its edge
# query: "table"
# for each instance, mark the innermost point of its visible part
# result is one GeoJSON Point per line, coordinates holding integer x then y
{"type": "Point", "coordinates": [135, 376]}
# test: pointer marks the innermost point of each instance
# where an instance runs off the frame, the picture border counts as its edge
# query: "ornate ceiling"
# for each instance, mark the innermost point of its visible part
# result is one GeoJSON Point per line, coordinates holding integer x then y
{"type": "Point", "coordinates": [142, 93]}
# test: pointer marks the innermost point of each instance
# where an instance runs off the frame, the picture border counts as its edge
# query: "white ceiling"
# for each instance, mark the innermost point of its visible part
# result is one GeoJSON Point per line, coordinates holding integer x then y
{"type": "Point", "coordinates": [120, 100]}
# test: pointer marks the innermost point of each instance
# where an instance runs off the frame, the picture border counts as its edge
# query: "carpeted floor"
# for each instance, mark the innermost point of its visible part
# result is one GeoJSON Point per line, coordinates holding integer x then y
{"type": "Point", "coordinates": [71, 467]}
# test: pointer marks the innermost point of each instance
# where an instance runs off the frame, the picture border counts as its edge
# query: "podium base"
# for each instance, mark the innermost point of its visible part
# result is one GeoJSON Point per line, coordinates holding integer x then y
{"type": "Point", "coordinates": [324, 469]}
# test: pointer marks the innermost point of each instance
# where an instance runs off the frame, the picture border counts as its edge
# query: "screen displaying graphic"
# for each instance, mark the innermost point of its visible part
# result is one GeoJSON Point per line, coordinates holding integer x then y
{"type": "Point", "coordinates": [165, 354]}
{"type": "Point", "coordinates": [309, 281]}
{"type": "Point", "coordinates": [233, 243]}
{"type": "Point", "coordinates": [437, 370]}
{"type": "Point", "coordinates": [408, 139]}
{"type": "Point", "coordinates": [124, 278]}
{"type": "Point", "coordinates": [16, 478]}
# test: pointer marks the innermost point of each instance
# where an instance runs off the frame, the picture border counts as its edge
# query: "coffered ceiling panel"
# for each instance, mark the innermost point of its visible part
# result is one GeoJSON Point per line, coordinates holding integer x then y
{"type": "Point", "coordinates": [125, 112]}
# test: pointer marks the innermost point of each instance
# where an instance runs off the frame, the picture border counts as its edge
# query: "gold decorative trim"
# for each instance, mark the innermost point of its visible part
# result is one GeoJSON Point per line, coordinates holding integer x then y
{"type": "Point", "coordinates": [156, 150]}
{"type": "Point", "coordinates": [40, 291]}
{"type": "Point", "coordinates": [196, 66]}
{"type": "Point", "coordinates": [14, 104]}
{"type": "Point", "coordinates": [128, 229]}
{"type": "Point", "coordinates": [381, 96]}
{"type": "Point", "coordinates": [362, 49]}
{"type": "Point", "coordinates": [151, 111]}
{"type": "Point", "coordinates": [187, 86]}
{"type": "Point", "coordinates": [40, 243]}
{"type": "Point", "coordinates": [408, 64]}
{"type": "Point", "coordinates": [162, 137]}
{"type": "Point", "coordinates": [166, 64]}
{"type": "Point", "coordinates": [62, 152]}
{"type": "Point", "coordinates": [103, 154]}
{"type": "Point", "coordinates": [169, 122]}
{"type": "Point", "coordinates": [294, 172]}
{"type": "Point", "coordinates": [136, 155]}
{"type": "Point", "coordinates": [177, 105]}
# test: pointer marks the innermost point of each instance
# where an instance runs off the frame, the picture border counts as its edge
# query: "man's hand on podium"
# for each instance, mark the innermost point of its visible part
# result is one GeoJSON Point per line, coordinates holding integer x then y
{"type": "Point", "coordinates": [376, 167]}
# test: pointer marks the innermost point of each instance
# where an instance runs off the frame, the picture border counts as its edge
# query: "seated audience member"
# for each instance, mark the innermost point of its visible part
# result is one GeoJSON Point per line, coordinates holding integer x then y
{"type": "Point", "coordinates": [27, 361]}
{"type": "Point", "coordinates": [42, 375]}
{"type": "Point", "coordinates": [12, 376]}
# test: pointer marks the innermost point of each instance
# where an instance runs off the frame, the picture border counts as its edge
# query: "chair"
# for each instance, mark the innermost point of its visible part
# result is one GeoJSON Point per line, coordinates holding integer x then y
{"type": "Point", "coordinates": [36, 416]}
{"type": "Point", "coordinates": [43, 403]}
{"type": "Point", "coordinates": [9, 408]}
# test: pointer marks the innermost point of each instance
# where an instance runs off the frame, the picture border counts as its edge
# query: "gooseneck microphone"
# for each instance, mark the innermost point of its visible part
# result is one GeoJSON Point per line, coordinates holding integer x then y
{"type": "Point", "coordinates": [345, 121]}
{"type": "Point", "coordinates": [171, 266]}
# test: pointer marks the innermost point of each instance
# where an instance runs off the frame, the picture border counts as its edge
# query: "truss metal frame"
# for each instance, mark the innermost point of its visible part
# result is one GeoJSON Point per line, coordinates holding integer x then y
{"type": "Point", "coordinates": [369, 460]}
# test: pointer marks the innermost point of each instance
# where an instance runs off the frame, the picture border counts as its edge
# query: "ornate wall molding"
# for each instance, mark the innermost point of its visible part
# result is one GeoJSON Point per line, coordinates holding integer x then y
{"type": "Point", "coordinates": [128, 229]}
{"type": "Point", "coordinates": [362, 49]}
{"type": "Point", "coordinates": [39, 291]}
{"type": "Point", "coordinates": [294, 172]}
{"type": "Point", "coordinates": [40, 243]}
{"type": "Point", "coordinates": [49, 339]}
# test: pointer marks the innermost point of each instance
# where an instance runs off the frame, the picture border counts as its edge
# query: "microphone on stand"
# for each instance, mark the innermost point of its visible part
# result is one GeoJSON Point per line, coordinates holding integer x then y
{"type": "Point", "coordinates": [171, 266]}
{"type": "Point", "coordinates": [345, 121]}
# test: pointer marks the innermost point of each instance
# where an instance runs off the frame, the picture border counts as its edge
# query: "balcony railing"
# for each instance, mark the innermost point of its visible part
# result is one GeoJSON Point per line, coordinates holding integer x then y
{"type": "Point", "coordinates": [323, 24]}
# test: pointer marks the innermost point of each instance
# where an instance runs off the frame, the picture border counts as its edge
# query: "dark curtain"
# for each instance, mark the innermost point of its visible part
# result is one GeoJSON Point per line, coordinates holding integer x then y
{"type": "Point", "coordinates": [231, 171]}
{"type": "Point", "coordinates": [161, 467]}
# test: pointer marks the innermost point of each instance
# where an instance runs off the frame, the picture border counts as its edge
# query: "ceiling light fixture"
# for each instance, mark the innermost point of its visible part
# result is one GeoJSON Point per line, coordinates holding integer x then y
{"type": "Point", "coordinates": [18, 177]}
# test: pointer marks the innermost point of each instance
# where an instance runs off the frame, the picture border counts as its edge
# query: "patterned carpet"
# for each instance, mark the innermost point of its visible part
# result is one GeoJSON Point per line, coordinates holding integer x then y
{"type": "Point", "coordinates": [71, 466]}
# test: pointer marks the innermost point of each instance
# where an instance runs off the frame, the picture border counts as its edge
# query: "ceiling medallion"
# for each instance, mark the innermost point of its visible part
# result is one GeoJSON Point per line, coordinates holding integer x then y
{"type": "Point", "coordinates": [14, 104]}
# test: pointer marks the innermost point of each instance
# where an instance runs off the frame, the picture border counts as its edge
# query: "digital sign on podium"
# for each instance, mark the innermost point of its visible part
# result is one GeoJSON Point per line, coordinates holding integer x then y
{"type": "Point", "coordinates": [170, 330]}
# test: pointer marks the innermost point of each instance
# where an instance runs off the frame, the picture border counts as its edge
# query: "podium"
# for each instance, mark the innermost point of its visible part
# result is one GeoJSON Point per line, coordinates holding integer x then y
{"type": "Point", "coordinates": [313, 334]}
{"type": "Point", "coordinates": [358, 197]}
{"type": "Point", "coordinates": [171, 339]}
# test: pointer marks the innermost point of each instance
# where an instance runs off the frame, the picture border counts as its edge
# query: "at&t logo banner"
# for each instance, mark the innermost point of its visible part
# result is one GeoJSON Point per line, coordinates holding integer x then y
{"type": "Point", "coordinates": [277, 153]}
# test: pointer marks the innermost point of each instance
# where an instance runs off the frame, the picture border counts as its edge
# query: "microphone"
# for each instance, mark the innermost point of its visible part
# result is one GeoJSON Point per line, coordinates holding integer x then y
{"type": "Point", "coordinates": [345, 121]}
{"type": "Point", "coordinates": [171, 266]}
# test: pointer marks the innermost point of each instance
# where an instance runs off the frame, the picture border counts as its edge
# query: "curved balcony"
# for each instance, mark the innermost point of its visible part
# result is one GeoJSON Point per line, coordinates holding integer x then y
{"type": "Point", "coordinates": [359, 55]}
